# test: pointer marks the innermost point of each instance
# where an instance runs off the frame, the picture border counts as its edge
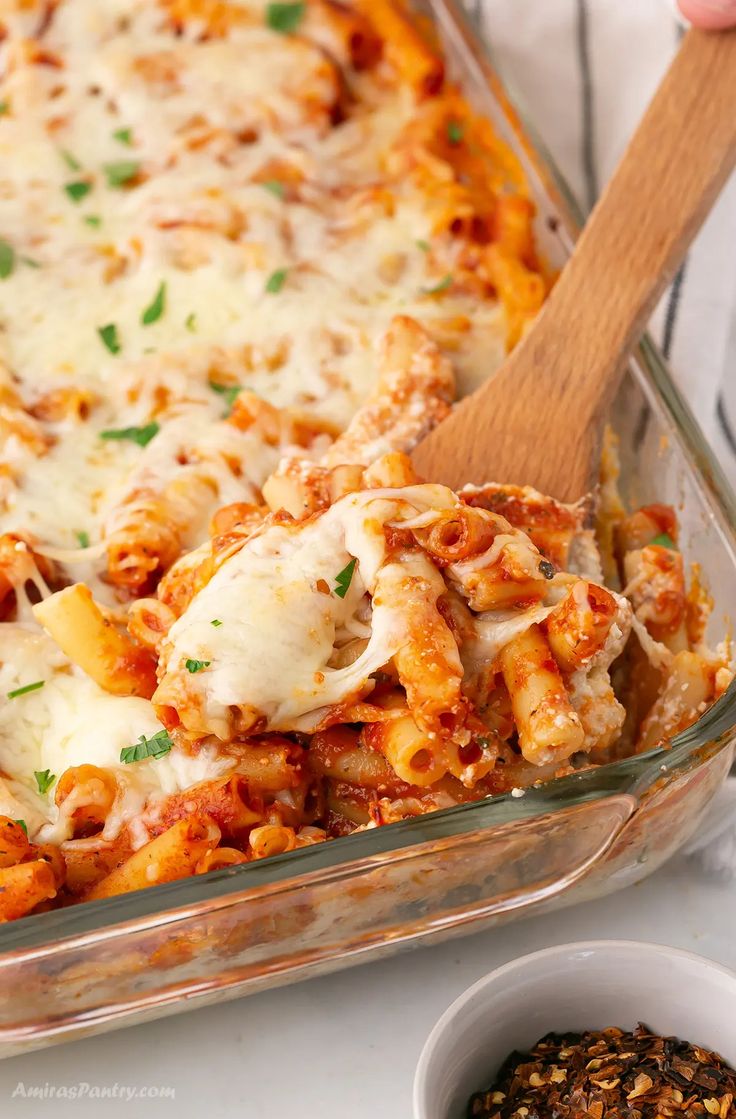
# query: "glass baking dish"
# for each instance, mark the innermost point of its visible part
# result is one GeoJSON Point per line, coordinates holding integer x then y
{"type": "Point", "coordinates": [73, 972]}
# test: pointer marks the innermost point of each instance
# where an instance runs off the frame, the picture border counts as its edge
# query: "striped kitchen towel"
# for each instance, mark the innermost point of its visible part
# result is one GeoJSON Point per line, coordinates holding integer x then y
{"type": "Point", "coordinates": [584, 70]}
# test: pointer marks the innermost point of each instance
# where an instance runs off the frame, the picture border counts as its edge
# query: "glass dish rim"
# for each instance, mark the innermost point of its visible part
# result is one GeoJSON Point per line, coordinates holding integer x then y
{"type": "Point", "coordinates": [158, 905]}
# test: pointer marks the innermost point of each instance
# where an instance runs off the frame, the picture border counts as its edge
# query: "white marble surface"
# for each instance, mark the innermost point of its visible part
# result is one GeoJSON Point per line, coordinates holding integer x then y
{"type": "Point", "coordinates": [345, 1047]}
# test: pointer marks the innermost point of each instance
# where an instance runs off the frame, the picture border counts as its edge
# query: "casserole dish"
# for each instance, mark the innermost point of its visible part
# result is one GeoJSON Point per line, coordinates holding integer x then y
{"type": "Point", "coordinates": [247, 927]}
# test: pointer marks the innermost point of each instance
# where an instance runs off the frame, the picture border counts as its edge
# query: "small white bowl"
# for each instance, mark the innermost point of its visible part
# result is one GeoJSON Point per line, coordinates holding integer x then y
{"type": "Point", "coordinates": [571, 987]}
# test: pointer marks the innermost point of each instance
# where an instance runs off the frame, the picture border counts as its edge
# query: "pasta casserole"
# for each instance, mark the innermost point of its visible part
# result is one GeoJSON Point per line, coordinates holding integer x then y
{"type": "Point", "coordinates": [249, 254]}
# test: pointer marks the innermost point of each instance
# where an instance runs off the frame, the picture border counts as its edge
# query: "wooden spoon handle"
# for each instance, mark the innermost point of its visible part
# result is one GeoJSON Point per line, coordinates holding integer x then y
{"type": "Point", "coordinates": [539, 420]}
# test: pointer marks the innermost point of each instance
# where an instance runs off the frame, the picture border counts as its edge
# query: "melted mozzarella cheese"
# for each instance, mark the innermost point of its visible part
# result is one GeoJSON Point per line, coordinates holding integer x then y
{"type": "Point", "coordinates": [201, 455]}
{"type": "Point", "coordinates": [495, 628]}
{"type": "Point", "coordinates": [71, 721]}
{"type": "Point", "coordinates": [202, 119]}
{"type": "Point", "coordinates": [280, 616]}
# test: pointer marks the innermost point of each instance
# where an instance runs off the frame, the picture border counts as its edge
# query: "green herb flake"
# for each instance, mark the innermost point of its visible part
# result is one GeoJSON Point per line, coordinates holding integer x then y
{"type": "Point", "coordinates": [30, 262]}
{"type": "Point", "coordinates": [140, 435]}
{"type": "Point", "coordinates": [44, 779]}
{"type": "Point", "coordinates": [109, 336]}
{"type": "Point", "coordinates": [7, 259]}
{"type": "Point", "coordinates": [229, 394]}
{"type": "Point", "coordinates": [275, 187]}
{"type": "Point", "coordinates": [285, 18]}
{"type": "Point", "coordinates": [121, 173]}
{"type": "Point", "coordinates": [4, 108]}
{"type": "Point", "coordinates": [156, 308]}
{"type": "Point", "coordinates": [344, 579]}
{"type": "Point", "coordinates": [443, 285]}
{"type": "Point", "coordinates": [71, 161]}
{"type": "Point", "coordinates": [22, 824]}
{"type": "Point", "coordinates": [123, 136]}
{"type": "Point", "coordinates": [196, 666]}
{"type": "Point", "coordinates": [83, 538]}
{"type": "Point", "coordinates": [664, 540]}
{"type": "Point", "coordinates": [78, 190]}
{"type": "Point", "coordinates": [455, 131]}
{"type": "Point", "coordinates": [157, 746]}
{"type": "Point", "coordinates": [190, 322]}
{"type": "Point", "coordinates": [94, 221]}
{"type": "Point", "coordinates": [423, 245]}
{"type": "Point", "coordinates": [25, 689]}
{"type": "Point", "coordinates": [215, 622]}
{"type": "Point", "coordinates": [276, 281]}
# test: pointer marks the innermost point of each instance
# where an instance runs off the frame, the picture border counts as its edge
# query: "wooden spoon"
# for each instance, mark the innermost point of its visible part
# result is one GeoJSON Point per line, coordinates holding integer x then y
{"type": "Point", "coordinates": [539, 420]}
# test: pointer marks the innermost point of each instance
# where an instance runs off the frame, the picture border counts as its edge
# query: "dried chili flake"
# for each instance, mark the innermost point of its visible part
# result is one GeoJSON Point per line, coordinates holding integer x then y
{"type": "Point", "coordinates": [610, 1074]}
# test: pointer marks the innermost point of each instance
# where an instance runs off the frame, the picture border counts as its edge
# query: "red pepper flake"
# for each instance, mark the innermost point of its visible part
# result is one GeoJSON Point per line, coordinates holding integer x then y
{"type": "Point", "coordinates": [609, 1074]}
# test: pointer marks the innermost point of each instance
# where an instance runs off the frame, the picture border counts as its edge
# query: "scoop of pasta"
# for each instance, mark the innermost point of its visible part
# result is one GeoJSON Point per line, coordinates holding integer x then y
{"type": "Point", "coordinates": [300, 628]}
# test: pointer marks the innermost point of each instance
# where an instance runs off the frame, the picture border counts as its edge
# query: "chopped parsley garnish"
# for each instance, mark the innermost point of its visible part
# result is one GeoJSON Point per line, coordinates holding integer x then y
{"type": "Point", "coordinates": [443, 285]}
{"type": "Point", "coordinates": [71, 161]}
{"type": "Point", "coordinates": [215, 622]}
{"type": "Point", "coordinates": [22, 824]}
{"type": "Point", "coordinates": [7, 259]}
{"type": "Point", "coordinates": [344, 578]}
{"type": "Point", "coordinates": [229, 394]}
{"type": "Point", "coordinates": [196, 666]}
{"type": "Point", "coordinates": [4, 108]}
{"type": "Point", "coordinates": [423, 245]}
{"type": "Point", "coordinates": [109, 336]}
{"type": "Point", "coordinates": [665, 541]}
{"type": "Point", "coordinates": [276, 281]}
{"type": "Point", "coordinates": [78, 190]}
{"type": "Point", "coordinates": [455, 131]}
{"type": "Point", "coordinates": [83, 538]}
{"type": "Point", "coordinates": [190, 322]}
{"type": "Point", "coordinates": [157, 746]}
{"type": "Point", "coordinates": [547, 569]}
{"type": "Point", "coordinates": [123, 136]}
{"type": "Point", "coordinates": [31, 262]}
{"type": "Point", "coordinates": [156, 308]}
{"type": "Point", "coordinates": [285, 17]}
{"type": "Point", "coordinates": [44, 779]}
{"type": "Point", "coordinates": [121, 173]}
{"type": "Point", "coordinates": [140, 435]}
{"type": "Point", "coordinates": [93, 220]}
{"type": "Point", "coordinates": [25, 689]}
{"type": "Point", "coordinates": [274, 186]}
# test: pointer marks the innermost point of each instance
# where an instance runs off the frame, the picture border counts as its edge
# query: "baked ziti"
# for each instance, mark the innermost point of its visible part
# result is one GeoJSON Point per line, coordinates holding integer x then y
{"type": "Point", "coordinates": [249, 254]}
